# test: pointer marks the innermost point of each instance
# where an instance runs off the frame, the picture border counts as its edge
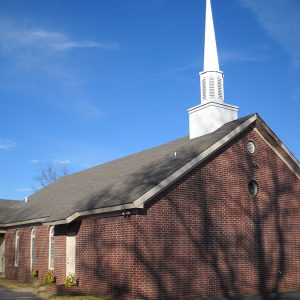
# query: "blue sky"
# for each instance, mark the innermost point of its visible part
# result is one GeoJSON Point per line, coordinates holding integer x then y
{"type": "Point", "coordinates": [87, 81]}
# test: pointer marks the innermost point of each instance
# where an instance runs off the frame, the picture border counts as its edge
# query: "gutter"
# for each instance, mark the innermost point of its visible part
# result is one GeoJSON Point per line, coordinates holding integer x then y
{"type": "Point", "coordinates": [141, 201]}
{"type": "Point", "coordinates": [32, 221]}
{"type": "Point", "coordinates": [262, 129]}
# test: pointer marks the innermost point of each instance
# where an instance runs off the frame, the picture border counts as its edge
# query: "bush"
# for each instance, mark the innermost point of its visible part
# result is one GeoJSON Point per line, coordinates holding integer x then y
{"type": "Point", "coordinates": [70, 280]}
{"type": "Point", "coordinates": [35, 273]}
{"type": "Point", "coordinates": [49, 278]}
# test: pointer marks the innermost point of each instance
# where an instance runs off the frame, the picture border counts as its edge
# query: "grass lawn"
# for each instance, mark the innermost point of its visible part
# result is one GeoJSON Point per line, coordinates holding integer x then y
{"type": "Point", "coordinates": [39, 290]}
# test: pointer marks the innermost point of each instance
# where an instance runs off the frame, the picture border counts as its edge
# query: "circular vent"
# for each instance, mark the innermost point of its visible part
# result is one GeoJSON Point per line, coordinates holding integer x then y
{"type": "Point", "coordinates": [251, 147]}
{"type": "Point", "coordinates": [253, 188]}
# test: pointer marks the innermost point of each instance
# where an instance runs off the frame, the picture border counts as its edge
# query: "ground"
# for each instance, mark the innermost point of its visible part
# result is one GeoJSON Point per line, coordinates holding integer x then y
{"type": "Point", "coordinates": [14, 290]}
{"type": "Point", "coordinates": [13, 295]}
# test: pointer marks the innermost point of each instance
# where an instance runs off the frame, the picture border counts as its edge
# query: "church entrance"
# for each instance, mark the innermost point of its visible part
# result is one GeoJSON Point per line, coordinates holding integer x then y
{"type": "Point", "coordinates": [70, 254]}
{"type": "Point", "coordinates": [2, 258]}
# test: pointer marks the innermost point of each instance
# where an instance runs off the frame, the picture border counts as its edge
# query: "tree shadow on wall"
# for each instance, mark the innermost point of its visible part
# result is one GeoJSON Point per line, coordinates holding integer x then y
{"type": "Point", "coordinates": [244, 231]}
{"type": "Point", "coordinates": [213, 238]}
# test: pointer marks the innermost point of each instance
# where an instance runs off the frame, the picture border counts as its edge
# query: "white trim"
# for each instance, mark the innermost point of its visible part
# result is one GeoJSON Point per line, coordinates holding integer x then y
{"type": "Point", "coordinates": [70, 254]}
{"type": "Point", "coordinates": [51, 235]}
{"type": "Point", "coordinates": [279, 154]}
{"type": "Point", "coordinates": [139, 203]}
{"type": "Point", "coordinates": [40, 220]}
{"type": "Point", "coordinates": [32, 233]}
{"type": "Point", "coordinates": [213, 103]}
{"type": "Point", "coordinates": [90, 212]}
{"type": "Point", "coordinates": [17, 248]}
{"type": "Point", "coordinates": [2, 257]}
{"type": "Point", "coordinates": [99, 210]}
{"type": "Point", "coordinates": [57, 222]}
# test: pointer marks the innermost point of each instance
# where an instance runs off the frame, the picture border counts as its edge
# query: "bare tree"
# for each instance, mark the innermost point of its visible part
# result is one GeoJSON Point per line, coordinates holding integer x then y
{"type": "Point", "coordinates": [50, 173]}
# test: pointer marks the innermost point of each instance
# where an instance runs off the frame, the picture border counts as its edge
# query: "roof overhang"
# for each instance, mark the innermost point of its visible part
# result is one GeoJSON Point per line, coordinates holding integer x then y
{"type": "Point", "coordinates": [255, 121]}
{"type": "Point", "coordinates": [26, 222]}
{"type": "Point", "coordinates": [260, 127]}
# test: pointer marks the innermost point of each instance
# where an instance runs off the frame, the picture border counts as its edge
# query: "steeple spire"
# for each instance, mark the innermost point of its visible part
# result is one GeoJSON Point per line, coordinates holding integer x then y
{"type": "Point", "coordinates": [211, 78]}
{"type": "Point", "coordinates": [212, 113]}
{"type": "Point", "coordinates": [211, 61]}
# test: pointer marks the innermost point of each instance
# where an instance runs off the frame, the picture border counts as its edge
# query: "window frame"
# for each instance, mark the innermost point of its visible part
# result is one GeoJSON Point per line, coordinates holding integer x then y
{"type": "Point", "coordinates": [17, 248]}
{"type": "Point", "coordinates": [32, 236]}
{"type": "Point", "coordinates": [51, 249]}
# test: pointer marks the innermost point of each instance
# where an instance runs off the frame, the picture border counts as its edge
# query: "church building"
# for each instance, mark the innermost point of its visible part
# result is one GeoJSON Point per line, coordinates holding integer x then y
{"type": "Point", "coordinates": [214, 213]}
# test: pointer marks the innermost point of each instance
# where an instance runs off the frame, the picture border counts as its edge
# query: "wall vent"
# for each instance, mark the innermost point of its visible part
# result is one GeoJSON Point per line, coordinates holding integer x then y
{"type": "Point", "coordinates": [220, 90]}
{"type": "Point", "coordinates": [211, 87]}
{"type": "Point", "coordinates": [204, 88]}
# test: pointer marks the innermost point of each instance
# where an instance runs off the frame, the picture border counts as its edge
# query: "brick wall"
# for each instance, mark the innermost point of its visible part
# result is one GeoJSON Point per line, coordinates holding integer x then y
{"type": "Point", "coordinates": [23, 272]}
{"type": "Point", "coordinates": [205, 235]}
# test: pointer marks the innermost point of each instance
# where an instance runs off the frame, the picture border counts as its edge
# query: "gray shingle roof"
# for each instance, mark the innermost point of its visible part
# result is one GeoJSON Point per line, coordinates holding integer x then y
{"type": "Point", "coordinates": [119, 182]}
{"type": "Point", "coordinates": [8, 208]}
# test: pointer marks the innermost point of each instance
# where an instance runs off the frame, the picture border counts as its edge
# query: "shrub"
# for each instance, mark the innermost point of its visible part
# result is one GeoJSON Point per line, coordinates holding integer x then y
{"type": "Point", "coordinates": [49, 278]}
{"type": "Point", "coordinates": [70, 280]}
{"type": "Point", "coordinates": [35, 273]}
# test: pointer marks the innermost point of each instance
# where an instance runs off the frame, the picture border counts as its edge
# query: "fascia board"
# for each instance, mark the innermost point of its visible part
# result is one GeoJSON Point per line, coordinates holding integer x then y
{"type": "Point", "coordinates": [33, 221]}
{"type": "Point", "coordinates": [140, 202]}
{"type": "Point", "coordinates": [262, 129]}
{"type": "Point", "coordinates": [96, 211]}
{"type": "Point", "coordinates": [278, 147]}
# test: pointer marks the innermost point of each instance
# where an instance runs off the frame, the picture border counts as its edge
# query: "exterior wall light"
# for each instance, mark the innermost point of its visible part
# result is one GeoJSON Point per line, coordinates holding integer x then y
{"type": "Point", "coordinates": [126, 213]}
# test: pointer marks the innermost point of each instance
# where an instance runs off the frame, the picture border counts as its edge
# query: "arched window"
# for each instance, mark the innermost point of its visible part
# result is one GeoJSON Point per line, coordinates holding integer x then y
{"type": "Point", "coordinates": [51, 248]}
{"type": "Point", "coordinates": [32, 249]}
{"type": "Point", "coordinates": [17, 248]}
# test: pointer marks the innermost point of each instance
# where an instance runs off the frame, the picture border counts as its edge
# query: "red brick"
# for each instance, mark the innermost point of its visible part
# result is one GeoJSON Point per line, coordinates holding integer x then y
{"type": "Point", "coordinates": [204, 235]}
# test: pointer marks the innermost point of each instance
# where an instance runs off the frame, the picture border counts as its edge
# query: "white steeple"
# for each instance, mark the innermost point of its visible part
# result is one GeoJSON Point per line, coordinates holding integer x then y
{"type": "Point", "coordinates": [211, 78]}
{"type": "Point", "coordinates": [211, 61]}
{"type": "Point", "coordinates": [212, 113]}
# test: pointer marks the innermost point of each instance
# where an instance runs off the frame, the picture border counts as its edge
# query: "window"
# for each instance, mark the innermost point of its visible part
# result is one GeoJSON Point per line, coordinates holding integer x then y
{"type": "Point", "coordinates": [51, 248]}
{"type": "Point", "coordinates": [253, 188]}
{"type": "Point", "coordinates": [32, 249]}
{"type": "Point", "coordinates": [17, 248]}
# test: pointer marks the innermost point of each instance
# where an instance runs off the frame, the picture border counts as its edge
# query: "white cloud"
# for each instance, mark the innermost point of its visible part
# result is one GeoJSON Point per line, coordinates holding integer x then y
{"type": "Point", "coordinates": [58, 41]}
{"type": "Point", "coordinates": [34, 161]}
{"type": "Point", "coordinates": [280, 19]}
{"type": "Point", "coordinates": [24, 190]}
{"type": "Point", "coordinates": [14, 39]}
{"type": "Point", "coordinates": [33, 62]}
{"type": "Point", "coordinates": [242, 56]}
{"type": "Point", "coordinates": [62, 161]}
{"type": "Point", "coordinates": [7, 144]}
